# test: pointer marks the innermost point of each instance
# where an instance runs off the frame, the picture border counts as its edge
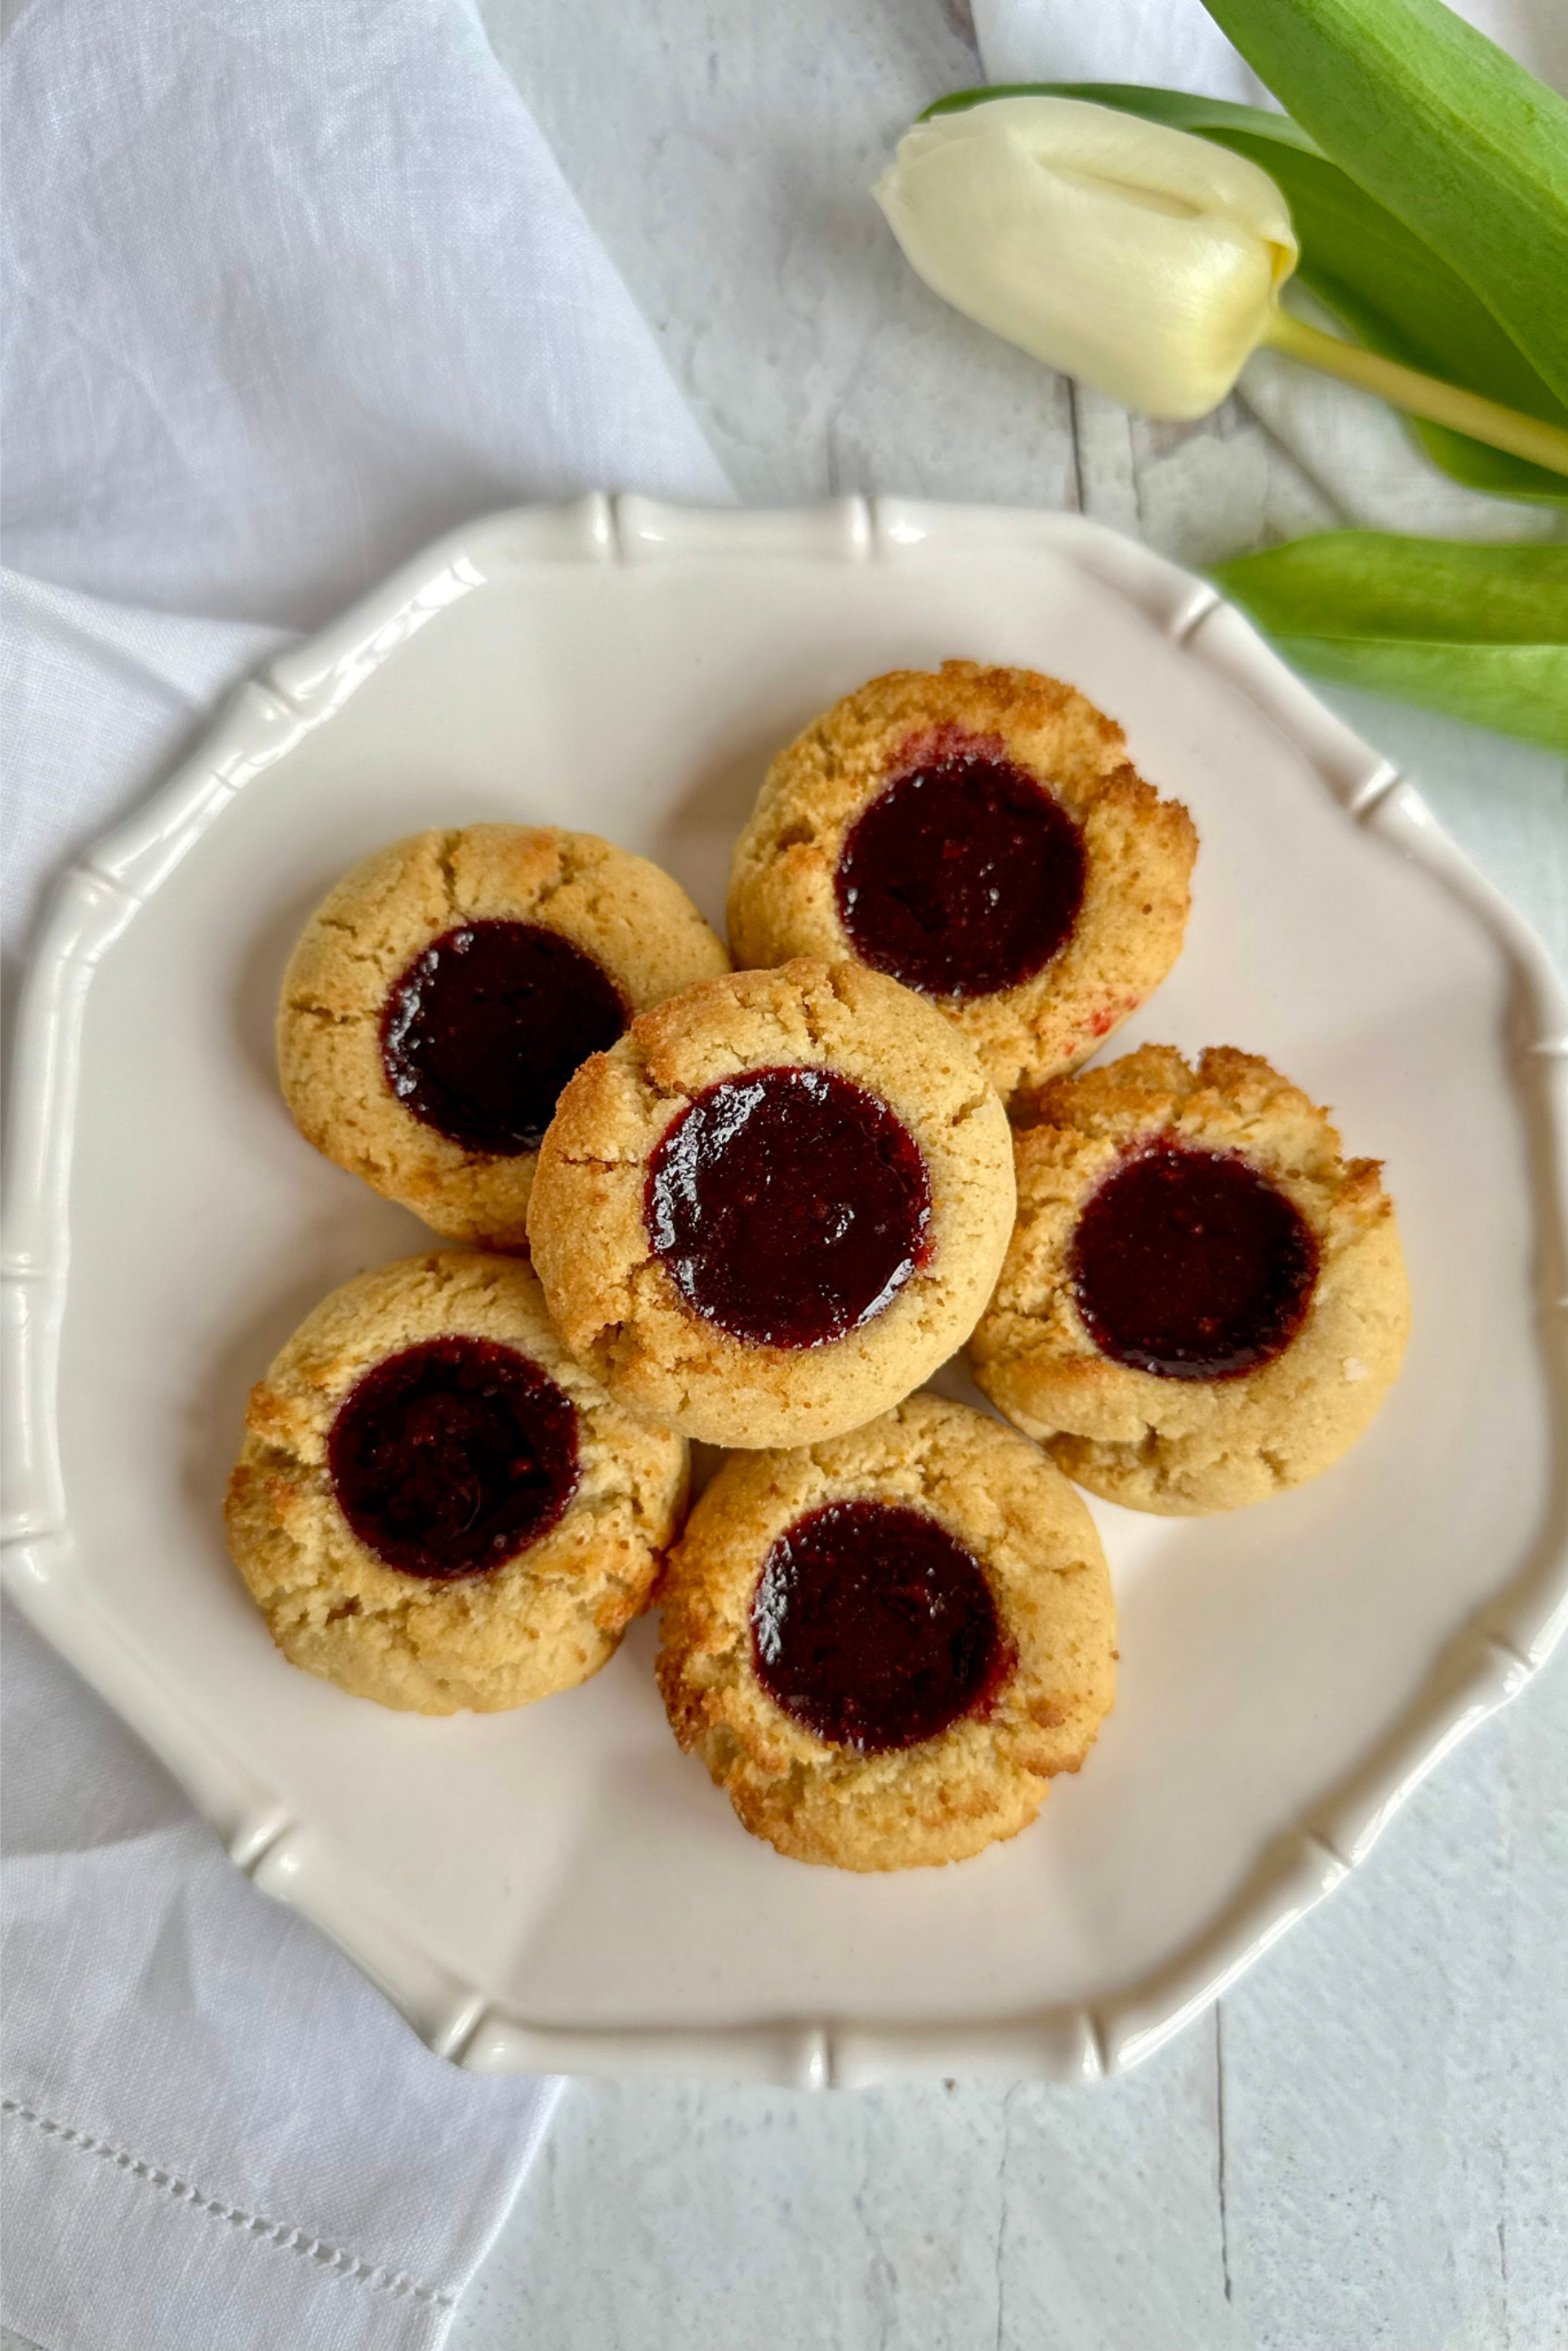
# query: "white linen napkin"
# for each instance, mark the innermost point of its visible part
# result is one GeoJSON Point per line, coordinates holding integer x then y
{"type": "Point", "coordinates": [289, 290]}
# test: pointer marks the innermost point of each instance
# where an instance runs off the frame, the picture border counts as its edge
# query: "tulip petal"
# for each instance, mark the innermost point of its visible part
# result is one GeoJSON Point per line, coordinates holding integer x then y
{"type": "Point", "coordinates": [1394, 293]}
{"type": "Point", "coordinates": [1123, 252]}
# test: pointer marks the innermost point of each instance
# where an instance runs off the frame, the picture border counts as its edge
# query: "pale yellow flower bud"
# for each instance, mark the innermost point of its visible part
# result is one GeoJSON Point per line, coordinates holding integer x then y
{"type": "Point", "coordinates": [1141, 260]}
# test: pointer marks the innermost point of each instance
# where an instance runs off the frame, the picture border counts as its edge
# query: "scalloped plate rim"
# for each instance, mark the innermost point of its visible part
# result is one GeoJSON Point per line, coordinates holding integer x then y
{"type": "Point", "coordinates": [1489, 1662]}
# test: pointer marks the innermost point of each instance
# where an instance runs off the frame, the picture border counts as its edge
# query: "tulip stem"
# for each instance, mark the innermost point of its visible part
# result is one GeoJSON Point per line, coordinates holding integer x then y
{"type": "Point", "coordinates": [1422, 395]}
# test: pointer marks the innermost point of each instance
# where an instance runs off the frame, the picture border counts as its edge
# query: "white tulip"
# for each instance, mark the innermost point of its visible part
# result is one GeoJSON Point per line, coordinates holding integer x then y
{"type": "Point", "coordinates": [1142, 259]}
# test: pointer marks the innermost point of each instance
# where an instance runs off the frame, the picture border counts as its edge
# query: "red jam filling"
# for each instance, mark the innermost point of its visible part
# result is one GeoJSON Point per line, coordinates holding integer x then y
{"type": "Point", "coordinates": [962, 877]}
{"type": "Point", "coordinates": [873, 1628]}
{"type": "Point", "coordinates": [486, 1025]}
{"type": "Point", "coordinates": [789, 1206]}
{"type": "Point", "coordinates": [1190, 1265]}
{"type": "Point", "coordinates": [452, 1456]}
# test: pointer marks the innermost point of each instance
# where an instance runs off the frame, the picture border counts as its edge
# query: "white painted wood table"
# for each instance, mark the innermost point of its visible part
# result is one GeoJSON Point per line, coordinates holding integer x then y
{"type": "Point", "coordinates": [1369, 2144]}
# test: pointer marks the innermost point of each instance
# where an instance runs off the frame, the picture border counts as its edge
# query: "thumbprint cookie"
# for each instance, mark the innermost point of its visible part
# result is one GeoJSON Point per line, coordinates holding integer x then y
{"type": "Point", "coordinates": [775, 1206]}
{"type": "Point", "coordinates": [885, 1646]}
{"type": "Point", "coordinates": [435, 1507]}
{"type": "Point", "coordinates": [979, 835]}
{"type": "Point", "coordinates": [446, 989]}
{"type": "Point", "coordinates": [1204, 1301]}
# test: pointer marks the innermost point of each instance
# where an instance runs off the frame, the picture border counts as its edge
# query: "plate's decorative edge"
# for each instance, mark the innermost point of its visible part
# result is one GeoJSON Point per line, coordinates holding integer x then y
{"type": "Point", "coordinates": [1490, 1661]}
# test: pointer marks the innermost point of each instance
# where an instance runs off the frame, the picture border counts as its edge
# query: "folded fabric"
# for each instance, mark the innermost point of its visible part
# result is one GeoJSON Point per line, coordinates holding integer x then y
{"type": "Point", "coordinates": [289, 290]}
{"type": "Point", "coordinates": [217, 2136]}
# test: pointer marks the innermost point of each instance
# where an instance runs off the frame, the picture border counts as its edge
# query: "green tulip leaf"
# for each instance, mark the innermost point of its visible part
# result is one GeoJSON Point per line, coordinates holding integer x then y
{"type": "Point", "coordinates": [1389, 288]}
{"type": "Point", "coordinates": [1459, 141]}
{"type": "Point", "coordinates": [1480, 632]}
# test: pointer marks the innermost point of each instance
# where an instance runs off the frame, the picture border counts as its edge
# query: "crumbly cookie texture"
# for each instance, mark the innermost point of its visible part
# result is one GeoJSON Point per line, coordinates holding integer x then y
{"type": "Point", "coordinates": [636, 923]}
{"type": "Point", "coordinates": [541, 1621]}
{"type": "Point", "coordinates": [617, 1307]}
{"type": "Point", "coordinates": [1138, 847]}
{"type": "Point", "coordinates": [1186, 1447]}
{"type": "Point", "coordinates": [985, 1776]}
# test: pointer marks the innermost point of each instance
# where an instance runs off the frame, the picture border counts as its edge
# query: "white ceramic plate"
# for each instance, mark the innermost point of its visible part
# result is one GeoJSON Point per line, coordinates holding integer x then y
{"type": "Point", "coordinates": [561, 1888]}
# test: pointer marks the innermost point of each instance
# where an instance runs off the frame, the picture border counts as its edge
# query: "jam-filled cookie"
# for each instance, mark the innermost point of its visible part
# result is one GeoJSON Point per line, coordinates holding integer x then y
{"type": "Point", "coordinates": [883, 1647]}
{"type": "Point", "coordinates": [443, 994]}
{"type": "Point", "coordinates": [1204, 1301]}
{"type": "Point", "coordinates": [435, 1507]}
{"type": "Point", "coordinates": [775, 1206]}
{"type": "Point", "coordinates": [979, 835]}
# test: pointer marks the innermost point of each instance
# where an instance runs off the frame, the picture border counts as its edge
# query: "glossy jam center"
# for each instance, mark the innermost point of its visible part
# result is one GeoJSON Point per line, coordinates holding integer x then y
{"type": "Point", "coordinates": [873, 1628]}
{"type": "Point", "coordinates": [453, 1456]}
{"type": "Point", "coordinates": [484, 1028]}
{"type": "Point", "coordinates": [789, 1205]}
{"type": "Point", "coordinates": [1191, 1264]}
{"type": "Point", "coordinates": [961, 877]}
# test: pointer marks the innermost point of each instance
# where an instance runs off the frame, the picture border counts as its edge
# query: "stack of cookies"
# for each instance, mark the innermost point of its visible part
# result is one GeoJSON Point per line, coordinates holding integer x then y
{"type": "Point", "coordinates": [758, 1207]}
